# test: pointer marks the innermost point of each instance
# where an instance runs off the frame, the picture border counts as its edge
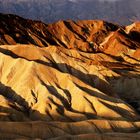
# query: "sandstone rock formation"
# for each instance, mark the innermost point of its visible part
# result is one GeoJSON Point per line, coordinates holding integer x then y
{"type": "Point", "coordinates": [69, 80]}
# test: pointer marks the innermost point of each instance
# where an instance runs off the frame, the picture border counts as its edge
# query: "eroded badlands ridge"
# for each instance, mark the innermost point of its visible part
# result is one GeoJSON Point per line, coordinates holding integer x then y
{"type": "Point", "coordinates": [76, 80]}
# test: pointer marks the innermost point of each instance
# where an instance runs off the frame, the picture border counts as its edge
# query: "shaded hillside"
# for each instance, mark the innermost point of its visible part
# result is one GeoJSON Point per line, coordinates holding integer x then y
{"type": "Point", "coordinates": [82, 35]}
{"type": "Point", "coordinates": [81, 83]}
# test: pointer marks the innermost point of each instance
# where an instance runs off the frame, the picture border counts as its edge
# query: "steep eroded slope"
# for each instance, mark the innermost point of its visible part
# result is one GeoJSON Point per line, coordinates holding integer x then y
{"type": "Point", "coordinates": [83, 84]}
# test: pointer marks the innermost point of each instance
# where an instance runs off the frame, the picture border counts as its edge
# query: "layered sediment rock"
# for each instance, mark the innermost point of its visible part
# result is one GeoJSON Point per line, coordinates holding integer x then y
{"type": "Point", "coordinates": [72, 80]}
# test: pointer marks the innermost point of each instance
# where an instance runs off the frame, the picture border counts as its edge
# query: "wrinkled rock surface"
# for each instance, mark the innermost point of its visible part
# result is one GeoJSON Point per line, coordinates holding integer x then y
{"type": "Point", "coordinates": [69, 80]}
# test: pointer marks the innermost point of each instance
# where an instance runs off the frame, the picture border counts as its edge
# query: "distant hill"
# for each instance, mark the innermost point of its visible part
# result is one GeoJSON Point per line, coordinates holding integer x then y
{"type": "Point", "coordinates": [120, 11]}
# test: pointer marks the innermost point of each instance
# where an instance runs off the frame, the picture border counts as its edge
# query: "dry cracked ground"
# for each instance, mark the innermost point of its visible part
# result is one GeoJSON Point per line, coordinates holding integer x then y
{"type": "Point", "coordinates": [69, 80]}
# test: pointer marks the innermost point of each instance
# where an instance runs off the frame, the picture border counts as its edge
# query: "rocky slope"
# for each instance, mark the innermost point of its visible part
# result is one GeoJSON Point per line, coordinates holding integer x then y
{"type": "Point", "coordinates": [69, 80]}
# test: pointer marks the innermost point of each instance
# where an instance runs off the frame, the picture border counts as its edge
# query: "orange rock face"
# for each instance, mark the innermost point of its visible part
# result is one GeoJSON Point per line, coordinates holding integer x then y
{"type": "Point", "coordinates": [69, 80]}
